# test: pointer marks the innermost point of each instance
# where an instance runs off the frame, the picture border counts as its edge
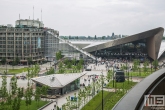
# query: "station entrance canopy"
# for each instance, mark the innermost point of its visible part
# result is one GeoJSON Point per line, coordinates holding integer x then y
{"type": "Point", "coordinates": [145, 43]}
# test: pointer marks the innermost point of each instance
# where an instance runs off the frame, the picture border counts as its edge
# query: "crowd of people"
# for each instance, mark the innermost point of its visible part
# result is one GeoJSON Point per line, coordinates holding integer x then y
{"type": "Point", "coordinates": [21, 77]}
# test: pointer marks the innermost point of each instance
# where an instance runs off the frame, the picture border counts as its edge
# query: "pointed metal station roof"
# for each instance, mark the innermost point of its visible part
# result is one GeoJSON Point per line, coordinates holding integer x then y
{"type": "Point", "coordinates": [154, 38]}
{"type": "Point", "coordinates": [57, 80]}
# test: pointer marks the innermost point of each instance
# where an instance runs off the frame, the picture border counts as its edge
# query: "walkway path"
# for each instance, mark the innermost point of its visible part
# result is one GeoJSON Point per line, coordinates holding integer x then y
{"type": "Point", "coordinates": [50, 107]}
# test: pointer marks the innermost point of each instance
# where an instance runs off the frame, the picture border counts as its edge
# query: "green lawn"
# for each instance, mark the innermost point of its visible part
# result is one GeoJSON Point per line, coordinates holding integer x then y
{"type": "Point", "coordinates": [93, 104]}
{"type": "Point", "coordinates": [120, 85]}
{"type": "Point", "coordinates": [15, 71]}
{"type": "Point", "coordinates": [138, 74]}
{"type": "Point", "coordinates": [33, 106]}
{"type": "Point", "coordinates": [110, 98]}
{"type": "Point", "coordinates": [71, 70]}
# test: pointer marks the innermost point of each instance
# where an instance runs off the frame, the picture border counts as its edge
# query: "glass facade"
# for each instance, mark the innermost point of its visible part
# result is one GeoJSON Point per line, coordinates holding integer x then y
{"type": "Point", "coordinates": [136, 49]}
{"type": "Point", "coordinates": [71, 87]}
{"type": "Point", "coordinates": [66, 89]}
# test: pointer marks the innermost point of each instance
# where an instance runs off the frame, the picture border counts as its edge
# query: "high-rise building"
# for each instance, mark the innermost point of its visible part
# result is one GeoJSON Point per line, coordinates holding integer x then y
{"type": "Point", "coordinates": [28, 39]}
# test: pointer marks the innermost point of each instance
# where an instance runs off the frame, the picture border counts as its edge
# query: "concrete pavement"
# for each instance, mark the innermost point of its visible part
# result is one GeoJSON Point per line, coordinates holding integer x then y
{"type": "Point", "coordinates": [62, 100]}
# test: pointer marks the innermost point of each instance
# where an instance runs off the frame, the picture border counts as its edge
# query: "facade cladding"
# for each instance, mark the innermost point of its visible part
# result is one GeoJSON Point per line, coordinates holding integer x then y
{"type": "Point", "coordinates": [68, 50]}
{"type": "Point", "coordinates": [51, 44]}
{"type": "Point", "coordinates": [25, 42]}
{"type": "Point", "coordinates": [142, 45]}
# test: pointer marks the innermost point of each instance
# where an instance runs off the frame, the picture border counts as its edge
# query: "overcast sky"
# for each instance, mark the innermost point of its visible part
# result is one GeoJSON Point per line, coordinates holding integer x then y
{"type": "Point", "coordinates": [88, 17]}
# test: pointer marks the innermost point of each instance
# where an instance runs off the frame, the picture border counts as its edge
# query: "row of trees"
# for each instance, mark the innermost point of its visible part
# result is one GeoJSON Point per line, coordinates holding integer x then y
{"type": "Point", "coordinates": [16, 61]}
{"type": "Point", "coordinates": [137, 65]}
{"type": "Point", "coordinates": [11, 99]}
{"type": "Point", "coordinates": [59, 55]}
{"type": "Point", "coordinates": [84, 95]}
{"type": "Point", "coordinates": [72, 65]}
{"type": "Point", "coordinates": [50, 71]}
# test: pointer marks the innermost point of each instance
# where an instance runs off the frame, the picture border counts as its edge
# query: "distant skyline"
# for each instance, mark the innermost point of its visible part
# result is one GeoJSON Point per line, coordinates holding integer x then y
{"type": "Point", "coordinates": [88, 17]}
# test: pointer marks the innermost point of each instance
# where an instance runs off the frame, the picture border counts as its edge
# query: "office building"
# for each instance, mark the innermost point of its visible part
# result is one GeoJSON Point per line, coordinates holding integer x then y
{"type": "Point", "coordinates": [28, 39]}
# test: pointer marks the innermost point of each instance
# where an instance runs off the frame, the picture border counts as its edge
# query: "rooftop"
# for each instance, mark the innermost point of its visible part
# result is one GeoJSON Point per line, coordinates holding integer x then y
{"type": "Point", "coordinates": [58, 80]}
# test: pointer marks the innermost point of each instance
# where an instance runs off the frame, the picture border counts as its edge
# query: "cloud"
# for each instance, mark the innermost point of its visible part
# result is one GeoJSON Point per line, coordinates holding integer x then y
{"type": "Point", "coordinates": [89, 17]}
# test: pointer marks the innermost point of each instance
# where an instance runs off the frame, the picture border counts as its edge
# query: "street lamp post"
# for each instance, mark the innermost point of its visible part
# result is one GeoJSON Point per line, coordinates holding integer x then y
{"type": "Point", "coordinates": [6, 67]}
{"type": "Point", "coordinates": [128, 71]}
{"type": "Point", "coordinates": [102, 90]}
{"type": "Point", "coordinates": [113, 76]}
{"type": "Point", "coordinates": [151, 66]}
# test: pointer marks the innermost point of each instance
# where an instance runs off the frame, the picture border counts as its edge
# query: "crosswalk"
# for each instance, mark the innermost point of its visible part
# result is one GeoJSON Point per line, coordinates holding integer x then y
{"type": "Point", "coordinates": [75, 47]}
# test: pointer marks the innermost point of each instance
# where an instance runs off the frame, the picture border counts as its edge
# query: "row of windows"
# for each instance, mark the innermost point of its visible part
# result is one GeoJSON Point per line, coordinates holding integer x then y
{"type": "Point", "coordinates": [21, 34]}
{"type": "Point", "coordinates": [20, 39]}
{"type": "Point", "coordinates": [1, 42]}
{"type": "Point", "coordinates": [25, 58]}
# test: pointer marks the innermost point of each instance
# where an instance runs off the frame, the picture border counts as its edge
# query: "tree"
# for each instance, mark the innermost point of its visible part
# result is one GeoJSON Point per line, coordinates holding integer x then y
{"type": "Point", "coordinates": [14, 105]}
{"type": "Point", "coordinates": [3, 89]}
{"type": "Point", "coordinates": [37, 95]}
{"type": "Point", "coordinates": [9, 101]}
{"type": "Point", "coordinates": [13, 84]}
{"type": "Point", "coordinates": [28, 96]}
{"type": "Point", "coordinates": [109, 75]}
{"type": "Point", "coordinates": [123, 67]}
{"type": "Point", "coordinates": [44, 90]}
{"type": "Point", "coordinates": [74, 68]}
{"type": "Point", "coordinates": [83, 94]}
{"type": "Point", "coordinates": [36, 69]}
{"type": "Point", "coordinates": [74, 61]}
{"type": "Point", "coordinates": [62, 70]}
{"type": "Point", "coordinates": [50, 71]}
{"type": "Point", "coordinates": [11, 98]}
{"type": "Point", "coordinates": [89, 88]}
{"type": "Point", "coordinates": [66, 61]}
{"type": "Point", "coordinates": [79, 98]}
{"type": "Point", "coordinates": [13, 63]}
{"type": "Point", "coordinates": [81, 61]}
{"type": "Point", "coordinates": [135, 64]}
{"type": "Point", "coordinates": [60, 65]}
{"type": "Point", "coordinates": [58, 55]}
{"type": "Point", "coordinates": [155, 64]}
{"type": "Point", "coordinates": [29, 60]}
{"type": "Point", "coordinates": [145, 64]}
{"type": "Point", "coordinates": [17, 60]}
{"type": "Point", "coordinates": [4, 86]}
{"type": "Point", "coordinates": [3, 60]}
{"type": "Point", "coordinates": [79, 66]}
{"type": "Point", "coordinates": [69, 65]}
